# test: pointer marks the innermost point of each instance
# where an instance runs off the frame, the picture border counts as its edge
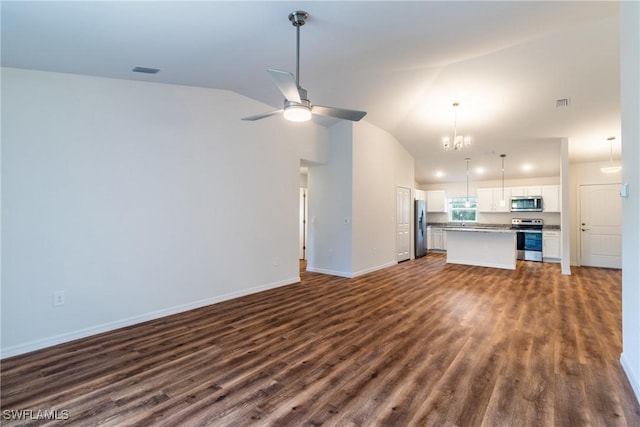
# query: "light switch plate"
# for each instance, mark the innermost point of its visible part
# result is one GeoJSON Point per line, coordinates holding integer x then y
{"type": "Point", "coordinates": [624, 190]}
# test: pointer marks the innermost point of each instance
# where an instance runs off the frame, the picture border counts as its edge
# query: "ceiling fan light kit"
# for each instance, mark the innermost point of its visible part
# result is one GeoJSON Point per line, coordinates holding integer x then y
{"type": "Point", "coordinates": [295, 112]}
{"type": "Point", "coordinates": [297, 107]}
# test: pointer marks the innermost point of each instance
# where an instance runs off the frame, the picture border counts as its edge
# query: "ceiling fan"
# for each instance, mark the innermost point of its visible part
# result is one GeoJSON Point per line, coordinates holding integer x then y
{"type": "Point", "coordinates": [297, 106]}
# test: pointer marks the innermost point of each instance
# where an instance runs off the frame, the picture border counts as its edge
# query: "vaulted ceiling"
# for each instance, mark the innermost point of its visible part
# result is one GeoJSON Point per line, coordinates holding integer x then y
{"type": "Point", "coordinates": [405, 63]}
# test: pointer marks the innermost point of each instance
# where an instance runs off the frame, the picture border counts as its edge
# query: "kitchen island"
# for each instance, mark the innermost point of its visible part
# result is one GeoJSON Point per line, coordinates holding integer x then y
{"type": "Point", "coordinates": [484, 247]}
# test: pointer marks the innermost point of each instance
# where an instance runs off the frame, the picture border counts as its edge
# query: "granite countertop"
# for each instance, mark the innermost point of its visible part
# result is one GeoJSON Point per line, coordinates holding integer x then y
{"type": "Point", "coordinates": [481, 226]}
{"type": "Point", "coordinates": [551, 227]}
{"type": "Point", "coordinates": [469, 225]}
{"type": "Point", "coordinates": [472, 228]}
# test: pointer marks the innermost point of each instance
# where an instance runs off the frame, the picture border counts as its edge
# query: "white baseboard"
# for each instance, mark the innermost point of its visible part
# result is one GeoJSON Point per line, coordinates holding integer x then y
{"type": "Point", "coordinates": [372, 269]}
{"type": "Point", "coordinates": [110, 326]}
{"type": "Point", "coordinates": [481, 264]}
{"type": "Point", "coordinates": [350, 275]}
{"type": "Point", "coordinates": [329, 272]}
{"type": "Point", "coordinates": [632, 376]}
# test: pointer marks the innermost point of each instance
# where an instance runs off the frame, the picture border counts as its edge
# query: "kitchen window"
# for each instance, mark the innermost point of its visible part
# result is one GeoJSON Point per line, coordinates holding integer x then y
{"type": "Point", "coordinates": [458, 212]}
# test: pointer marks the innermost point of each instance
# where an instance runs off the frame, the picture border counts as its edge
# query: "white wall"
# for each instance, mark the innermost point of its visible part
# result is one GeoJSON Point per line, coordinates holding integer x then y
{"type": "Point", "coordinates": [630, 103]}
{"type": "Point", "coordinates": [138, 200]}
{"type": "Point", "coordinates": [380, 164]}
{"type": "Point", "coordinates": [352, 200]}
{"type": "Point", "coordinates": [330, 206]}
{"type": "Point", "coordinates": [586, 173]}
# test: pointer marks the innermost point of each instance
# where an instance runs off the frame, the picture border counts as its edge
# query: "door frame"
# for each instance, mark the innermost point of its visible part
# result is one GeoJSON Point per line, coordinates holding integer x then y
{"type": "Point", "coordinates": [410, 224]}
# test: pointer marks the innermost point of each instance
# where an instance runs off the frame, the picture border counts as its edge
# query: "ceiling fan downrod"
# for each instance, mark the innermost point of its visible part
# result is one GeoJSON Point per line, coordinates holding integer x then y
{"type": "Point", "coordinates": [298, 19]}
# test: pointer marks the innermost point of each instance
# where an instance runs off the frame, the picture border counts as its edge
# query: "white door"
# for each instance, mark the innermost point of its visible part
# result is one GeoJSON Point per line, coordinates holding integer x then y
{"type": "Point", "coordinates": [403, 226]}
{"type": "Point", "coordinates": [600, 226]}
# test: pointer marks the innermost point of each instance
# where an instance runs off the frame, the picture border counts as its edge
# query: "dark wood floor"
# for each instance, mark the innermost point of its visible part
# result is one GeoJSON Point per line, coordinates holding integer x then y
{"type": "Point", "coordinates": [420, 343]}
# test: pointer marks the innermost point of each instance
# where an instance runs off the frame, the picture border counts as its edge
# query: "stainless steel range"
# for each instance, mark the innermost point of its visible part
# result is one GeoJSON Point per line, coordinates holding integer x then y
{"type": "Point", "coordinates": [528, 238]}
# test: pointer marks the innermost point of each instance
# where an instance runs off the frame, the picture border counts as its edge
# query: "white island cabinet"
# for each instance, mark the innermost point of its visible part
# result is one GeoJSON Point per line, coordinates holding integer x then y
{"type": "Point", "coordinates": [484, 248]}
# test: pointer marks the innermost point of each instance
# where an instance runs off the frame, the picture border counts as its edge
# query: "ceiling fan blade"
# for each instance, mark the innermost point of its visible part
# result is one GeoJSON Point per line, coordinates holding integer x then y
{"type": "Point", "coordinates": [339, 113]}
{"type": "Point", "coordinates": [262, 116]}
{"type": "Point", "coordinates": [287, 84]}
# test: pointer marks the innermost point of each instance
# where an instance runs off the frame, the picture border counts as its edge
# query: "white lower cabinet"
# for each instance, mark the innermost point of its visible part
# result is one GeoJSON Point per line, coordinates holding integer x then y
{"type": "Point", "coordinates": [551, 245]}
{"type": "Point", "coordinates": [438, 239]}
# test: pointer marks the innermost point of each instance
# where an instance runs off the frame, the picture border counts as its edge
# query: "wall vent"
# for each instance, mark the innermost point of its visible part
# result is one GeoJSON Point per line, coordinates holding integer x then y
{"type": "Point", "coordinates": [145, 70]}
{"type": "Point", "coordinates": [562, 103]}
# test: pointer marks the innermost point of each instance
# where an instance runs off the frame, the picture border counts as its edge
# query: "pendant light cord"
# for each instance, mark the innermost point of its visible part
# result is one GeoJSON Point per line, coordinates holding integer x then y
{"type": "Point", "coordinates": [503, 156]}
{"type": "Point", "coordinates": [467, 160]}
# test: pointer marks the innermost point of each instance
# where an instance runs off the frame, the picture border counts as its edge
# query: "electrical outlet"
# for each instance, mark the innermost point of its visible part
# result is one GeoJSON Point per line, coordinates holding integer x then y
{"type": "Point", "coordinates": [58, 298]}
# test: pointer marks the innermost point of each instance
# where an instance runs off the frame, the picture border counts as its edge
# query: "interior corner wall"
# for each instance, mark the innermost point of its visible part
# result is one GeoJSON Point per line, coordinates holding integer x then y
{"type": "Point", "coordinates": [329, 215]}
{"type": "Point", "coordinates": [380, 165]}
{"type": "Point", "coordinates": [630, 107]}
{"type": "Point", "coordinates": [137, 200]}
{"type": "Point", "coordinates": [565, 218]}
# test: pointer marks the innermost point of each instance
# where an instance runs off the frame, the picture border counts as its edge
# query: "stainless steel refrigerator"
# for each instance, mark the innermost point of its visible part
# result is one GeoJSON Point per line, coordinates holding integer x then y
{"type": "Point", "coordinates": [420, 228]}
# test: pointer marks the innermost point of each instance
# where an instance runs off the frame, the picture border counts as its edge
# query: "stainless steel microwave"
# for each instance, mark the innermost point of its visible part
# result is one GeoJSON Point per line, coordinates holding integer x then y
{"type": "Point", "coordinates": [526, 204]}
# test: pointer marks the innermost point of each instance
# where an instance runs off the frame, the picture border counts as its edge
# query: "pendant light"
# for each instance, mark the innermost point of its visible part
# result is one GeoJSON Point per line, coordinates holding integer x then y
{"type": "Point", "coordinates": [611, 168]}
{"type": "Point", "coordinates": [502, 201]}
{"type": "Point", "coordinates": [467, 204]}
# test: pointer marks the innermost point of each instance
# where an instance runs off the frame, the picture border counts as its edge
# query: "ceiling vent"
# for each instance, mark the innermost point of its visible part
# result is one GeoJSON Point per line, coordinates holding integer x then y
{"type": "Point", "coordinates": [562, 103]}
{"type": "Point", "coordinates": [145, 70]}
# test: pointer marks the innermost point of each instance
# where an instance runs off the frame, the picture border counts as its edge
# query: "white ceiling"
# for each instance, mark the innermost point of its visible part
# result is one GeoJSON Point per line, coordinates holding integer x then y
{"type": "Point", "coordinates": [404, 63]}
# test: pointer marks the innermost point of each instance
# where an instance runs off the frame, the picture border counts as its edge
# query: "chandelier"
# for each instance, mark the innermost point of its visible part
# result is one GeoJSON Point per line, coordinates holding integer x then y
{"type": "Point", "coordinates": [459, 141]}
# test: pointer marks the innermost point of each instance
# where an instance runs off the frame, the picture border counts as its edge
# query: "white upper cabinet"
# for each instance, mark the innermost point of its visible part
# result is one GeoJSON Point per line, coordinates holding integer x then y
{"type": "Point", "coordinates": [526, 191]}
{"type": "Point", "coordinates": [533, 191]}
{"type": "Point", "coordinates": [436, 201]}
{"type": "Point", "coordinates": [502, 205]}
{"type": "Point", "coordinates": [550, 198]}
{"type": "Point", "coordinates": [485, 199]}
{"type": "Point", "coordinates": [490, 200]}
{"type": "Point", "coordinates": [518, 191]}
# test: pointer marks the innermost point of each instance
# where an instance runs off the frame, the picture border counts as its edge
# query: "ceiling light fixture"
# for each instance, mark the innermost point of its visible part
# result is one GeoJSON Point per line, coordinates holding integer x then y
{"type": "Point", "coordinates": [296, 112]}
{"type": "Point", "coordinates": [467, 204]}
{"type": "Point", "coordinates": [503, 201]}
{"type": "Point", "coordinates": [611, 168]}
{"type": "Point", "coordinates": [459, 141]}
